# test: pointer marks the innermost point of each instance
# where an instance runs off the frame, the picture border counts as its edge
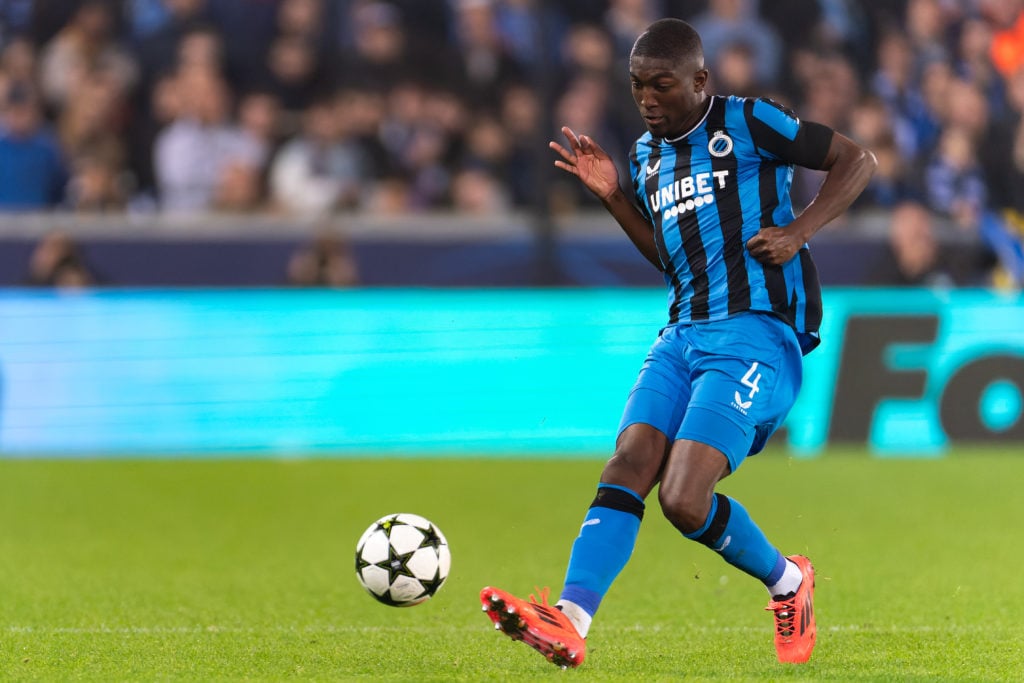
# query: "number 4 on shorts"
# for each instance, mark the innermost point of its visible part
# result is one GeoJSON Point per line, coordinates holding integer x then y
{"type": "Point", "coordinates": [752, 383]}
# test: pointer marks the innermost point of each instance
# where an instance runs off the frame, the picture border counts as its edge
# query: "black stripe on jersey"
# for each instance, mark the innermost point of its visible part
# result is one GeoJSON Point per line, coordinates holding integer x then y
{"type": "Point", "coordinates": [768, 189]}
{"type": "Point", "coordinates": [651, 188]}
{"type": "Point", "coordinates": [693, 243]}
{"type": "Point", "coordinates": [812, 292]}
{"type": "Point", "coordinates": [730, 217]}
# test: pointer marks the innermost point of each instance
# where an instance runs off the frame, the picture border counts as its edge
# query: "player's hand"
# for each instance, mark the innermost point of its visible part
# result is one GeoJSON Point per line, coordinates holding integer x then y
{"type": "Point", "coordinates": [774, 246]}
{"type": "Point", "coordinates": [587, 161]}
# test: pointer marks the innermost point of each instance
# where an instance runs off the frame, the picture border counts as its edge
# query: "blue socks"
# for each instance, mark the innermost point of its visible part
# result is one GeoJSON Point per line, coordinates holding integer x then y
{"type": "Point", "coordinates": [609, 532]}
{"type": "Point", "coordinates": [731, 533]}
{"type": "Point", "coordinates": [604, 545]}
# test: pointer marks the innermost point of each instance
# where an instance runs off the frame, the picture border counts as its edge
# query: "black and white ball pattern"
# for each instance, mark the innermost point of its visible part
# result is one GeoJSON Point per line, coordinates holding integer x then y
{"type": "Point", "coordinates": [402, 559]}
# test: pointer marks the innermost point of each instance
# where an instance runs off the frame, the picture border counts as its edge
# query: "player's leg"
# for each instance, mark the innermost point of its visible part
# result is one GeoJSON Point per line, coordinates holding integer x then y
{"type": "Point", "coordinates": [688, 500]}
{"type": "Point", "coordinates": [609, 530]}
{"type": "Point", "coordinates": [608, 534]}
{"type": "Point", "coordinates": [735, 406]}
{"type": "Point", "coordinates": [599, 553]}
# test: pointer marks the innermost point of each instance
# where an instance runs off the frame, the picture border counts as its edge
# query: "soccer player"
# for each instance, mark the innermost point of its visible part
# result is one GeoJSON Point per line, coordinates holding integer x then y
{"type": "Point", "coordinates": [711, 210]}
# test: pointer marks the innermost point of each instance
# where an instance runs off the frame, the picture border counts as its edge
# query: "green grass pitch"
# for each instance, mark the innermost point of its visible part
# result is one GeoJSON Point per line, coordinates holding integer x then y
{"type": "Point", "coordinates": [241, 569]}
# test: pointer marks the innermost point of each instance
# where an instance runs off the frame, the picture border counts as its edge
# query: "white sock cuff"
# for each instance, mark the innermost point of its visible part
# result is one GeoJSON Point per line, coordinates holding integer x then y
{"type": "Point", "coordinates": [577, 615]}
{"type": "Point", "coordinates": [789, 582]}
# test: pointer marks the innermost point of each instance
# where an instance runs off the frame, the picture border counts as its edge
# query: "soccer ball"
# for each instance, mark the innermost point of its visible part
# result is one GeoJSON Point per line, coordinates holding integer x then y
{"type": "Point", "coordinates": [402, 560]}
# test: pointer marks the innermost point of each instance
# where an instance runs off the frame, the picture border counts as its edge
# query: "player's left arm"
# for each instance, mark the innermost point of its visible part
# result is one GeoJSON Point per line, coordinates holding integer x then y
{"type": "Point", "coordinates": [849, 168]}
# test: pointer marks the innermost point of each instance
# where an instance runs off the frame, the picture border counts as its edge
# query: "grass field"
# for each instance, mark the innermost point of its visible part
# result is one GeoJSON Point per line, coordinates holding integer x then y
{"type": "Point", "coordinates": [238, 569]}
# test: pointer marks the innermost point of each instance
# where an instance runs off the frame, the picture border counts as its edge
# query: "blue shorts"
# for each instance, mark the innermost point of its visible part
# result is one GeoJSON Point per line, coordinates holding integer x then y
{"type": "Point", "coordinates": [726, 383]}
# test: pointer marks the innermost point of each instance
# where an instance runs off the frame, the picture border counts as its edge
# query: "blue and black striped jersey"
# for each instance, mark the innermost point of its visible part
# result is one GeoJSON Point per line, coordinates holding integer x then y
{"type": "Point", "coordinates": [709, 191]}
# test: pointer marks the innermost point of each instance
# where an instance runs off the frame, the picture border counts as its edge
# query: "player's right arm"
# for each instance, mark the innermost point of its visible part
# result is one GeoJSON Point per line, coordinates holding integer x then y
{"type": "Point", "coordinates": [587, 161]}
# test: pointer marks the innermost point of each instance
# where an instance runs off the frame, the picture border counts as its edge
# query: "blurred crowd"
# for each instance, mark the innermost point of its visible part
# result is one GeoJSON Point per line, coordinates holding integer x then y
{"type": "Point", "coordinates": [314, 107]}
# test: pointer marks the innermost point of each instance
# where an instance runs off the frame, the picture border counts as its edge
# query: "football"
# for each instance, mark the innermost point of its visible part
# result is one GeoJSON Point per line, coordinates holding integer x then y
{"type": "Point", "coordinates": [402, 560]}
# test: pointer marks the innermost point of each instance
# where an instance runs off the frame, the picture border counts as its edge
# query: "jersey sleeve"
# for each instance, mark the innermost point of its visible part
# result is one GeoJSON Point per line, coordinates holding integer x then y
{"type": "Point", "coordinates": [779, 134]}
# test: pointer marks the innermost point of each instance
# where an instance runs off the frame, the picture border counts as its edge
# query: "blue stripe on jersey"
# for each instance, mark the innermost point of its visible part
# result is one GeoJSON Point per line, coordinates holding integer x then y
{"type": "Point", "coordinates": [783, 214]}
{"type": "Point", "coordinates": [774, 117]}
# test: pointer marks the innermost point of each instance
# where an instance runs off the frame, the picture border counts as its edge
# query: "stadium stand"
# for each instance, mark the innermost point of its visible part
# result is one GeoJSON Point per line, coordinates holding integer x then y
{"type": "Point", "coordinates": [166, 138]}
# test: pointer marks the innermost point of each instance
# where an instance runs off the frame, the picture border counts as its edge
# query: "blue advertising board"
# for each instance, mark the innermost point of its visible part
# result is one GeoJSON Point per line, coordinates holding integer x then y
{"type": "Point", "coordinates": [464, 372]}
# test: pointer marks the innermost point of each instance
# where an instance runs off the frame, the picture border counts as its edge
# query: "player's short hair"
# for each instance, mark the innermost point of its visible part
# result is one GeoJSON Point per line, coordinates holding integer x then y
{"type": "Point", "coordinates": [669, 39]}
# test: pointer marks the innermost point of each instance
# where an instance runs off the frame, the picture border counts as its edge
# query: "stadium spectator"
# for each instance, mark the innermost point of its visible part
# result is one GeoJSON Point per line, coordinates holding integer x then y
{"type": "Point", "coordinates": [972, 62]}
{"type": "Point", "coordinates": [735, 71]}
{"type": "Point", "coordinates": [326, 261]}
{"type": "Point", "coordinates": [295, 74]}
{"type": "Point", "coordinates": [260, 120]}
{"type": "Point", "coordinates": [99, 183]}
{"type": "Point", "coordinates": [320, 169]}
{"type": "Point", "coordinates": [521, 120]}
{"type": "Point", "coordinates": [248, 28]}
{"type": "Point", "coordinates": [927, 25]}
{"type": "Point", "coordinates": [624, 20]}
{"type": "Point", "coordinates": [583, 106]}
{"type": "Point", "coordinates": [200, 46]}
{"type": "Point", "coordinates": [193, 152]}
{"type": "Point", "coordinates": [307, 20]}
{"type": "Point", "coordinates": [239, 188]}
{"type": "Point", "coordinates": [727, 22]}
{"type": "Point", "coordinates": [361, 114]}
{"type": "Point", "coordinates": [894, 81]}
{"type": "Point", "coordinates": [85, 45]}
{"type": "Point", "coordinates": [18, 60]}
{"type": "Point", "coordinates": [478, 192]}
{"type": "Point", "coordinates": [871, 126]}
{"type": "Point", "coordinates": [163, 107]}
{"type": "Point", "coordinates": [588, 49]}
{"type": "Point", "coordinates": [417, 81]}
{"type": "Point", "coordinates": [1002, 152]}
{"type": "Point", "coordinates": [530, 30]}
{"type": "Point", "coordinates": [158, 50]}
{"type": "Point", "coordinates": [1007, 47]}
{"type": "Point", "coordinates": [916, 257]}
{"type": "Point", "coordinates": [422, 147]}
{"type": "Point", "coordinates": [953, 180]}
{"type": "Point", "coordinates": [488, 66]}
{"type": "Point", "coordinates": [94, 116]}
{"type": "Point", "coordinates": [57, 261]}
{"type": "Point", "coordinates": [381, 53]}
{"type": "Point", "coordinates": [32, 167]}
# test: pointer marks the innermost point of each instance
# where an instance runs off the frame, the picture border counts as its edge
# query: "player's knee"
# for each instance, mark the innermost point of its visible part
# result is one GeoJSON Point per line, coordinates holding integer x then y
{"type": "Point", "coordinates": [636, 469]}
{"type": "Point", "coordinates": [686, 510]}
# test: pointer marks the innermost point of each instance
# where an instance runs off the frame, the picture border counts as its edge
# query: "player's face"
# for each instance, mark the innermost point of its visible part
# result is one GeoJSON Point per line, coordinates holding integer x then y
{"type": "Point", "coordinates": [668, 93]}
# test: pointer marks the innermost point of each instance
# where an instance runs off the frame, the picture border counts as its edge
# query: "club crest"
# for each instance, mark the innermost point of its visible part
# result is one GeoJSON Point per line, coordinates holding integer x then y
{"type": "Point", "coordinates": [720, 144]}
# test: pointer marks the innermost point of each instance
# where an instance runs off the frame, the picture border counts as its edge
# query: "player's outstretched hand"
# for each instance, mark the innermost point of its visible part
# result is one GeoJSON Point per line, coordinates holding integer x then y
{"type": "Point", "coordinates": [587, 161]}
{"type": "Point", "coordinates": [774, 246]}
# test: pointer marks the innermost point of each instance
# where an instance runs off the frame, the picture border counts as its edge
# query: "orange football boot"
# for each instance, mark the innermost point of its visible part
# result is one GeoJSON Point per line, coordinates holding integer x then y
{"type": "Point", "coordinates": [538, 624]}
{"type": "Point", "coordinates": [795, 630]}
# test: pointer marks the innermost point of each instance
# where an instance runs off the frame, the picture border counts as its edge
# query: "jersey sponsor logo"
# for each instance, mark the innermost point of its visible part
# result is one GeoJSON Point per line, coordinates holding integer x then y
{"type": "Point", "coordinates": [720, 144]}
{"type": "Point", "coordinates": [653, 168]}
{"type": "Point", "coordinates": [688, 193]}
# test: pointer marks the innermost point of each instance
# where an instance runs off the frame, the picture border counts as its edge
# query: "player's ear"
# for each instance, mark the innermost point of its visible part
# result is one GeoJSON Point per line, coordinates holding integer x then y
{"type": "Point", "coordinates": [700, 80]}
